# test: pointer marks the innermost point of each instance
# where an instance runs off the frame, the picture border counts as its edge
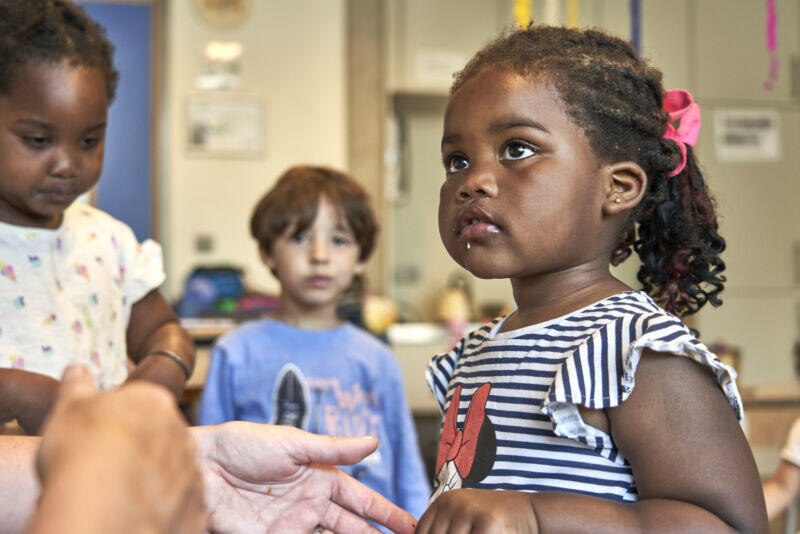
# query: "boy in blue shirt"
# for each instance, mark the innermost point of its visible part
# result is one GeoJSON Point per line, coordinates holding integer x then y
{"type": "Point", "coordinates": [303, 366]}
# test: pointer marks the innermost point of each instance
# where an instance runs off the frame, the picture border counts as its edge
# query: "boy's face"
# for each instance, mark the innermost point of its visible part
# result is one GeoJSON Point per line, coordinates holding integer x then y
{"type": "Point", "coordinates": [522, 194]}
{"type": "Point", "coordinates": [52, 132]}
{"type": "Point", "coordinates": [315, 266]}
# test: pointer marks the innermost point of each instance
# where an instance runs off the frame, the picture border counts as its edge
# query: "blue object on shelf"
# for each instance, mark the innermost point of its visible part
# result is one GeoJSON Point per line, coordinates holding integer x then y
{"type": "Point", "coordinates": [206, 286]}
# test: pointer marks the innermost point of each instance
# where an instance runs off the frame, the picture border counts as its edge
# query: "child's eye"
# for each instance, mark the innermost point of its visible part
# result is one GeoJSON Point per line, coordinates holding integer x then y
{"type": "Point", "coordinates": [36, 141]}
{"type": "Point", "coordinates": [90, 142]}
{"type": "Point", "coordinates": [299, 239]}
{"type": "Point", "coordinates": [341, 240]}
{"type": "Point", "coordinates": [514, 151]}
{"type": "Point", "coordinates": [455, 164]}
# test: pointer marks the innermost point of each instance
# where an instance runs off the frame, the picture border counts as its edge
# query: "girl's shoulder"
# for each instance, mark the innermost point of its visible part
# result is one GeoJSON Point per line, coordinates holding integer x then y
{"type": "Point", "coordinates": [80, 215]}
{"type": "Point", "coordinates": [625, 327]}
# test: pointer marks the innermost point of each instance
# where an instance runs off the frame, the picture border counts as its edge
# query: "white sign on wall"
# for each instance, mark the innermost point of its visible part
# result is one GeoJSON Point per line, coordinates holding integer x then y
{"type": "Point", "coordinates": [742, 135]}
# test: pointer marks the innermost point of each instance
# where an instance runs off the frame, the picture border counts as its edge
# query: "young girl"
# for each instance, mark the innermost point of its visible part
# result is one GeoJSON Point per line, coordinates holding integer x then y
{"type": "Point", "coordinates": [591, 408]}
{"type": "Point", "coordinates": [75, 285]}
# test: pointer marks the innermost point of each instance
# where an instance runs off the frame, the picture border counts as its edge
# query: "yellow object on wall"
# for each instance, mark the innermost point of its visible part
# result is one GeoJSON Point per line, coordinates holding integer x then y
{"type": "Point", "coordinates": [522, 12]}
{"type": "Point", "coordinates": [572, 13]}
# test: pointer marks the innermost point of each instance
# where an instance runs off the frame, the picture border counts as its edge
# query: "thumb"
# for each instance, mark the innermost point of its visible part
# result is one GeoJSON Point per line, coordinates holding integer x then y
{"type": "Point", "coordinates": [76, 383]}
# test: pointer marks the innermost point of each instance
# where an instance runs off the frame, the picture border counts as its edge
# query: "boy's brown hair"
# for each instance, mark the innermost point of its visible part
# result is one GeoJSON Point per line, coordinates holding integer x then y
{"type": "Point", "coordinates": [295, 198]}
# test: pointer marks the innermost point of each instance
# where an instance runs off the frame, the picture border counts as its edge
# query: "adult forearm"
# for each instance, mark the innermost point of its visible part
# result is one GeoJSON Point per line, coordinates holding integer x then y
{"type": "Point", "coordinates": [19, 487]}
{"type": "Point", "coordinates": [81, 501]}
{"type": "Point", "coordinates": [558, 512]}
{"type": "Point", "coordinates": [162, 369]}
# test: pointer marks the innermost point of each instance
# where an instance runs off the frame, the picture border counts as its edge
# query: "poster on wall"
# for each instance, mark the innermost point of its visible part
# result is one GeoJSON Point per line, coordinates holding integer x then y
{"type": "Point", "coordinates": [742, 135]}
{"type": "Point", "coordinates": [225, 125]}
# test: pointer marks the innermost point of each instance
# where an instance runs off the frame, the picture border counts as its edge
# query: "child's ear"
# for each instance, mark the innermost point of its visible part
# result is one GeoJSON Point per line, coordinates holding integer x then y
{"type": "Point", "coordinates": [267, 258]}
{"type": "Point", "coordinates": [359, 268]}
{"type": "Point", "coordinates": [626, 183]}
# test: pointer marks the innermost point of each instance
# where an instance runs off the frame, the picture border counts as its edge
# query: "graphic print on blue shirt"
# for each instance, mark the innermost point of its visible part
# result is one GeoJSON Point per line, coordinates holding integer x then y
{"type": "Point", "coordinates": [465, 456]}
{"type": "Point", "coordinates": [291, 404]}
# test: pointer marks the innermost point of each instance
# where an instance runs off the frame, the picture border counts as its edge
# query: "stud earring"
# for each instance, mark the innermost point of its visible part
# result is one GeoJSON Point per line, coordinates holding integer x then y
{"type": "Point", "coordinates": [467, 245]}
{"type": "Point", "coordinates": [617, 200]}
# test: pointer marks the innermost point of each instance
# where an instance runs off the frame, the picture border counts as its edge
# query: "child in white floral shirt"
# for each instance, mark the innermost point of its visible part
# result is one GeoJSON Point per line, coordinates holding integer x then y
{"type": "Point", "coordinates": [75, 285]}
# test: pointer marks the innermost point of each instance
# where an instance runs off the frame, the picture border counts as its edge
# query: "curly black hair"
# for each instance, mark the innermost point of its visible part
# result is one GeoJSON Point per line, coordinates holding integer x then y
{"type": "Point", "coordinates": [616, 98]}
{"type": "Point", "coordinates": [52, 31]}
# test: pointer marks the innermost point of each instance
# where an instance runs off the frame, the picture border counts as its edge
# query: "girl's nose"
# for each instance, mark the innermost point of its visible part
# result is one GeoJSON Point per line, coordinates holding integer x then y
{"type": "Point", "coordinates": [66, 162]}
{"type": "Point", "coordinates": [479, 182]}
{"type": "Point", "coordinates": [319, 251]}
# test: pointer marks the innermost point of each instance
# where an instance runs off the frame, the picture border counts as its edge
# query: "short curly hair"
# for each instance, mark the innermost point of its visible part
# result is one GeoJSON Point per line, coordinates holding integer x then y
{"type": "Point", "coordinates": [51, 31]}
{"type": "Point", "coordinates": [295, 198]}
{"type": "Point", "coordinates": [616, 98]}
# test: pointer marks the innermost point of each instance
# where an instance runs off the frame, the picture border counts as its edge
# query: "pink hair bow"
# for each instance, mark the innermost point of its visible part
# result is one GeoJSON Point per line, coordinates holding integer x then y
{"type": "Point", "coordinates": [680, 106]}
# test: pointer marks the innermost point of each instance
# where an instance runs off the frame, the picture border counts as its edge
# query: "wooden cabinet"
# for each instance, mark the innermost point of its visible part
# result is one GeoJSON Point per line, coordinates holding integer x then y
{"type": "Point", "coordinates": [428, 41]}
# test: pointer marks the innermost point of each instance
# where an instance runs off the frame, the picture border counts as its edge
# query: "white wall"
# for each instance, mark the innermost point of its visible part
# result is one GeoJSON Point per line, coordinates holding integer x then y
{"type": "Point", "coordinates": [294, 54]}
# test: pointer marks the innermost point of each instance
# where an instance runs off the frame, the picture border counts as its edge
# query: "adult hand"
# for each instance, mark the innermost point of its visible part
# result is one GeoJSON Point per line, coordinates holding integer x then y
{"type": "Point", "coordinates": [278, 479]}
{"type": "Point", "coordinates": [118, 461]}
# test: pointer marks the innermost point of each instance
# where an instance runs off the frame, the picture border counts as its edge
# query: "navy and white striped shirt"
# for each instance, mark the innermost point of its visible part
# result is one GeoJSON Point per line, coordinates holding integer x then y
{"type": "Point", "coordinates": [527, 434]}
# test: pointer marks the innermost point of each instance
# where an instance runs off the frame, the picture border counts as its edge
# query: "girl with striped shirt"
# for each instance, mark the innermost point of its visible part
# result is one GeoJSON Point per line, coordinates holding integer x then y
{"type": "Point", "coordinates": [591, 408]}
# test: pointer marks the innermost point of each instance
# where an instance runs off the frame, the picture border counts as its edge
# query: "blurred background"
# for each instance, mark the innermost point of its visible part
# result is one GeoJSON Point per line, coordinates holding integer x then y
{"type": "Point", "coordinates": [219, 97]}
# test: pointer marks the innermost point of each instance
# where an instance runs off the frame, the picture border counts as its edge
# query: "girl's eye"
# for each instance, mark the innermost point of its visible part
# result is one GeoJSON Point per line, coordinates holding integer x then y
{"type": "Point", "coordinates": [36, 141]}
{"type": "Point", "coordinates": [341, 240]}
{"type": "Point", "coordinates": [456, 164]}
{"type": "Point", "coordinates": [299, 239]}
{"type": "Point", "coordinates": [515, 151]}
{"type": "Point", "coordinates": [90, 142]}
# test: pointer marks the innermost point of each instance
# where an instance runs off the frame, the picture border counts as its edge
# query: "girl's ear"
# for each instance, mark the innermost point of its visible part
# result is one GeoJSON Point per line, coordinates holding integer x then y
{"type": "Point", "coordinates": [626, 183]}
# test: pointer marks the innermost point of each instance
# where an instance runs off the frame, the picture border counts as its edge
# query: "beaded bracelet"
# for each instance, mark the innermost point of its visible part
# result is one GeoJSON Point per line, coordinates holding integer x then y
{"type": "Point", "coordinates": [172, 356]}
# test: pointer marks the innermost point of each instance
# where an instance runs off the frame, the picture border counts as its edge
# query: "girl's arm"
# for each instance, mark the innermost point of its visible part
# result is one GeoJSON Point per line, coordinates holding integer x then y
{"type": "Point", "coordinates": [692, 465]}
{"type": "Point", "coordinates": [152, 326]}
{"type": "Point", "coordinates": [27, 397]}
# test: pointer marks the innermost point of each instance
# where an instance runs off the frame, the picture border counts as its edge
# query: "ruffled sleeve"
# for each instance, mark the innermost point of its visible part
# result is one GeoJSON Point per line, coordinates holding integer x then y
{"type": "Point", "coordinates": [141, 265]}
{"type": "Point", "coordinates": [147, 270]}
{"type": "Point", "coordinates": [601, 372]}
{"type": "Point", "coordinates": [440, 371]}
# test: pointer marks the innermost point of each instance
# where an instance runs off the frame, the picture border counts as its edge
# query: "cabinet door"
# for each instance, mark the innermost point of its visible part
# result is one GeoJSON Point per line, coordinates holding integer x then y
{"type": "Point", "coordinates": [731, 53]}
{"type": "Point", "coordinates": [759, 218]}
{"type": "Point", "coordinates": [429, 41]}
{"type": "Point", "coordinates": [421, 266]}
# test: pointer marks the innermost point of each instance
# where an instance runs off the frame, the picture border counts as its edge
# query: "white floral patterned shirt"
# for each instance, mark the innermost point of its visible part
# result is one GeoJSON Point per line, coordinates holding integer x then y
{"type": "Point", "coordinates": [66, 294]}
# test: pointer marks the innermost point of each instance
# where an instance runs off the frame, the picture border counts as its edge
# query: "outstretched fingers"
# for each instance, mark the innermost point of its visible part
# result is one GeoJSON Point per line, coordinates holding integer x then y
{"type": "Point", "coordinates": [355, 500]}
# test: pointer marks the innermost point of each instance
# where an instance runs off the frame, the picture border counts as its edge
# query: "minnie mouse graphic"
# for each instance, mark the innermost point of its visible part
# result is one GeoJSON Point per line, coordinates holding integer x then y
{"type": "Point", "coordinates": [465, 456]}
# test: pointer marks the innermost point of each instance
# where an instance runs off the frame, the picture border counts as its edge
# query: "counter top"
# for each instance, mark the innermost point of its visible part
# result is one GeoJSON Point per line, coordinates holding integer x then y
{"type": "Point", "coordinates": [776, 393]}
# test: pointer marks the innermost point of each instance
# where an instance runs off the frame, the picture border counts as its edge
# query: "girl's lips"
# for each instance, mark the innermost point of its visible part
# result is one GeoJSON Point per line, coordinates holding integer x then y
{"type": "Point", "coordinates": [478, 231]}
{"type": "Point", "coordinates": [475, 224]}
{"type": "Point", "coordinates": [57, 195]}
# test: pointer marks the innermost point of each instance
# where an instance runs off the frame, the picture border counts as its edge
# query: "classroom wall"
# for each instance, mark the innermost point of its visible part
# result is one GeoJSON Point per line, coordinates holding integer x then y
{"type": "Point", "coordinates": [293, 59]}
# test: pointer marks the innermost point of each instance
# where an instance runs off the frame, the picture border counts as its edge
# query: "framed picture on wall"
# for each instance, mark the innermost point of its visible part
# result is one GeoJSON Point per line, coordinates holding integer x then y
{"type": "Point", "coordinates": [225, 125]}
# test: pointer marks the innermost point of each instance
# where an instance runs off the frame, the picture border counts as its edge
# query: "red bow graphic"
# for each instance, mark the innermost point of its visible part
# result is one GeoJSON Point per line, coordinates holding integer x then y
{"type": "Point", "coordinates": [459, 445]}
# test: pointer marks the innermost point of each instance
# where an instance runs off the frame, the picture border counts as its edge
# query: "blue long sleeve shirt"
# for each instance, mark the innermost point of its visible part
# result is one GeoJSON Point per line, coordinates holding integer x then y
{"type": "Point", "coordinates": [337, 382]}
